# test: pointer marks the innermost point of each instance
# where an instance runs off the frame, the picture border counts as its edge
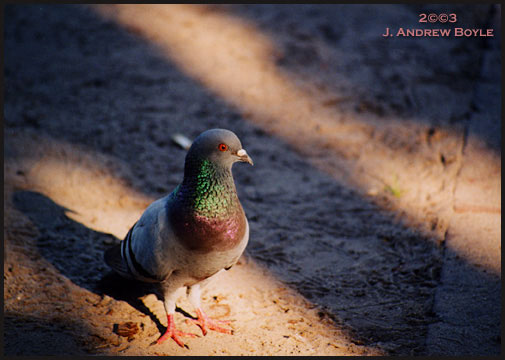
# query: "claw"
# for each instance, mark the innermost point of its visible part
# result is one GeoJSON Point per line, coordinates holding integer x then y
{"type": "Point", "coordinates": [173, 333]}
{"type": "Point", "coordinates": [205, 323]}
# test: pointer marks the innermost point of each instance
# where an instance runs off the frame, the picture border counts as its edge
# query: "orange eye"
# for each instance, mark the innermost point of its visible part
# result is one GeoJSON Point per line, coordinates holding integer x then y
{"type": "Point", "coordinates": [222, 147]}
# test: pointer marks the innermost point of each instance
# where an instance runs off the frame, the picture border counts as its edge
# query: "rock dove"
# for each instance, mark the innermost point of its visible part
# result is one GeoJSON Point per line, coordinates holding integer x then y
{"type": "Point", "coordinates": [186, 237]}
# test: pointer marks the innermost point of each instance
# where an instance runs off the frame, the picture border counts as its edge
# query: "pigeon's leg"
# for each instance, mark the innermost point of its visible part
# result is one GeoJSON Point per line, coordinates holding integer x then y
{"type": "Point", "coordinates": [171, 331]}
{"type": "Point", "coordinates": [204, 322]}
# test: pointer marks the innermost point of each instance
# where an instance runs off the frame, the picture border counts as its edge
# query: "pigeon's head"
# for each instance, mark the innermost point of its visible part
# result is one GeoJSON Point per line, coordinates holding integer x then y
{"type": "Point", "coordinates": [221, 147]}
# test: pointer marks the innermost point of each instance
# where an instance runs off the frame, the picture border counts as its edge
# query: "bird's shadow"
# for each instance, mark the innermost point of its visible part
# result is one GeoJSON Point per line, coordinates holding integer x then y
{"type": "Point", "coordinates": [77, 251]}
{"type": "Point", "coordinates": [132, 292]}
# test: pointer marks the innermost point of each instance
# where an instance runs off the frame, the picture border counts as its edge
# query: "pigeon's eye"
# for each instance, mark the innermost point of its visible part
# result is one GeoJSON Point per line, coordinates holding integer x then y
{"type": "Point", "coordinates": [222, 147]}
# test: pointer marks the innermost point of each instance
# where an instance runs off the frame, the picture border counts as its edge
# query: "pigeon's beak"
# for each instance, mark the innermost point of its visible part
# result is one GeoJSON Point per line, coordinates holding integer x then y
{"type": "Point", "coordinates": [242, 156]}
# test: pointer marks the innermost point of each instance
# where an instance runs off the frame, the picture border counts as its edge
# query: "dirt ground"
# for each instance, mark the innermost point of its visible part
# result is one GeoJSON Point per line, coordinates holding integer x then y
{"type": "Point", "coordinates": [374, 202]}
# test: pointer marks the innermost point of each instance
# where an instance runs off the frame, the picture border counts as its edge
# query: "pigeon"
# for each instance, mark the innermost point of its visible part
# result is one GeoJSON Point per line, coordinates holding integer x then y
{"type": "Point", "coordinates": [185, 238]}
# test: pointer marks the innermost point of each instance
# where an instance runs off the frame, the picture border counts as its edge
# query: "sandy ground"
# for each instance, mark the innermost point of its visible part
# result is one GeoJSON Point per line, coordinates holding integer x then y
{"type": "Point", "coordinates": [374, 202]}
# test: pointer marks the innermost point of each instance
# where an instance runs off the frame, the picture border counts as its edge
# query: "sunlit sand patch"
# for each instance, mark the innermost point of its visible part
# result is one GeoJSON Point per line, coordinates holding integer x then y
{"type": "Point", "coordinates": [77, 180]}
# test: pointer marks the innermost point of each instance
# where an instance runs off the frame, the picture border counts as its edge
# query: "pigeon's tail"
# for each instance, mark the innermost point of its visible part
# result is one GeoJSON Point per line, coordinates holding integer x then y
{"type": "Point", "coordinates": [113, 258]}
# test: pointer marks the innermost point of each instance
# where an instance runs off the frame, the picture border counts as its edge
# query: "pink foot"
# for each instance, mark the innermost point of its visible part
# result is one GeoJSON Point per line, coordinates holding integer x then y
{"type": "Point", "coordinates": [205, 323]}
{"type": "Point", "coordinates": [173, 333]}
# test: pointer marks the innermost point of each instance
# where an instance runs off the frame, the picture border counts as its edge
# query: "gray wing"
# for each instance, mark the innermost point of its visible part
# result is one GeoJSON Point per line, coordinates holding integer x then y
{"type": "Point", "coordinates": [146, 252]}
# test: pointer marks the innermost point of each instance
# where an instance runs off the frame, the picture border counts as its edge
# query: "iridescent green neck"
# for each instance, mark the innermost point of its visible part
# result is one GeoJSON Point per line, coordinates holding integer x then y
{"type": "Point", "coordinates": [208, 190]}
